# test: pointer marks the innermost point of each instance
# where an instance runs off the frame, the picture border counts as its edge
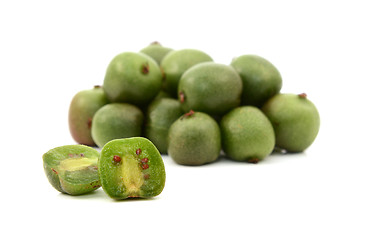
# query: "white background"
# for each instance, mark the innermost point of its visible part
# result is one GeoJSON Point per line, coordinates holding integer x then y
{"type": "Point", "coordinates": [50, 50]}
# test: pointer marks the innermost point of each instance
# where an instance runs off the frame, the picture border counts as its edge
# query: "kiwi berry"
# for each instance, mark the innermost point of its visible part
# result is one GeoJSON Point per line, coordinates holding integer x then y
{"type": "Point", "coordinates": [295, 120]}
{"type": "Point", "coordinates": [116, 120]}
{"type": "Point", "coordinates": [261, 79]}
{"type": "Point", "coordinates": [81, 111]}
{"type": "Point", "coordinates": [194, 139]}
{"type": "Point", "coordinates": [247, 134]}
{"type": "Point", "coordinates": [132, 78]}
{"type": "Point", "coordinates": [131, 167]}
{"type": "Point", "coordinates": [72, 169]}
{"type": "Point", "coordinates": [175, 63]}
{"type": "Point", "coordinates": [210, 87]}
{"type": "Point", "coordinates": [156, 51]}
{"type": "Point", "coordinates": [160, 116]}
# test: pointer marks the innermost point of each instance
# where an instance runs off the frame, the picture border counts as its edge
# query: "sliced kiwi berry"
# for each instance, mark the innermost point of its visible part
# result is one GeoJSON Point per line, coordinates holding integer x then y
{"type": "Point", "coordinates": [72, 169]}
{"type": "Point", "coordinates": [131, 168]}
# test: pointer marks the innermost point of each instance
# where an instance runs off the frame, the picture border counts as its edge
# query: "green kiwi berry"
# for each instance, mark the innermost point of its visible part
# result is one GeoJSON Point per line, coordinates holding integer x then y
{"type": "Point", "coordinates": [194, 139]}
{"type": "Point", "coordinates": [210, 87]}
{"type": "Point", "coordinates": [131, 167]}
{"type": "Point", "coordinates": [175, 63]}
{"type": "Point", "coordinates": [116, 120]}
{"type": "Point", "coordinates": [81, 111]}
{"type": "Point", "coordinates": [156, 51]}
{"type": "Point", "coordinates": [261, 79]}
{"type": "Point", "coordinates": [161, 114]}
{"type": "Point", "coordinates": [132, 78]}
{"type": "Point", "coordinates": [295, 120]}
{"type": "Point", "coordinates": [72, 169]}
{"type": "Point", "coordinates": [247, 134]}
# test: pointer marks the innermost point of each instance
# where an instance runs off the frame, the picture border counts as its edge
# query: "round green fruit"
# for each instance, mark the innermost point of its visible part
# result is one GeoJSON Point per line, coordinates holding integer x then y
{"type": "Point", "coordinates": [132, 78]}
{"type": "Point", "coordinates": [131, 167]}
{"type": "Point", "coordinates": [156, 51]}
{"type": "Point", "coordinates": [72, 169]}
{"type": "Point", "coordinates": [176, 63]}
{"type": "Point", "coordinates": [82, 109]}
{"type": "Point", "coordinates": [247, 134]}
{"type": "Point", "coordinates": [295, 120]}
{"type": "Point", "coordinates": [116, 120]}
{"type": "Point", "coordinates": [211, 88]}
{"type": "Point", "coordinates": [194, 139]}
{"type": "Point", "coordinates": [261, 79]}
{"type": "Point", "coordinates": [160, 116]}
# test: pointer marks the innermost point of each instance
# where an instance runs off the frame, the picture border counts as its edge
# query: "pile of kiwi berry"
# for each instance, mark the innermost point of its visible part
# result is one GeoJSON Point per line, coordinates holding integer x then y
{"type": "Point", "coordinates": [177, 102]}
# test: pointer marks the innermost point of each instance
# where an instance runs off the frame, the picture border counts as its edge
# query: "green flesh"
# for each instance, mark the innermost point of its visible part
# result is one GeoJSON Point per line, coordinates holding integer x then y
{"type": "Point", "coordinates": [131, 174]}
{"type": "Point", "coordinates": [127, 178]}
{"type": "Point", "coordinates": [72, 169]}
{"type": "Point", "coordinates": [74, 164]}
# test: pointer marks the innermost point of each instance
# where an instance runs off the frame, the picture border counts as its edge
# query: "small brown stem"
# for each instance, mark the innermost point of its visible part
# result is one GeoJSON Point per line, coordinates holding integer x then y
{"type": "Point", "coordinates": [253, 160]}
{"type": "Point", "coordinates": [155, 43]}
{"type": "Point", "coordinates": [181, 97]}
{"type": "Point", "coordinates": [145, 68]}
{"type": "Point", "coordinates": [188, 114]}
{"type": "Point", "coordinates": [90, 120]}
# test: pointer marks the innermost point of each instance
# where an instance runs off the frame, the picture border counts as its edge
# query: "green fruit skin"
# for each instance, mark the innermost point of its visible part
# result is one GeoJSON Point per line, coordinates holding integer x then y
{"type": "Point", "coordinates": [110, 173]}
{"type": "Point", "coordinates": [156, 51]}
{"type": "Point", "coordinates": [68, 181]}
{"type": "Point", "coordinates": [175, 63]}
{"type": "Point", "coordinates": [81, 111]}
{"type": "Point", "coordinates": [116, 120]}
{"type": "Point", "coordinates": [160, 116]}
{"type": "Point", "coordinates": [247, 134]}
{"type": "Point", "coordinates": [261, 79]}
{"type": "Point", "coordinates": [132, 78]}
{"type": "Point", "coordinates": [211, 88]}
{"type": "Point", "coordinates": [194, 140]}
{"type": "Point", "coordinates": [162, 94]}
{"type": "Point", "coordinates": [295, 119]}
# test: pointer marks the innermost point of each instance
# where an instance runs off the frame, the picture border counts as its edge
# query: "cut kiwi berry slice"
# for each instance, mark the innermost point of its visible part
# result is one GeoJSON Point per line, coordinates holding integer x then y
{"type": "Point", "coordinates": [72, 169]}
{"type": "Point", "coordinates": [131, 168]}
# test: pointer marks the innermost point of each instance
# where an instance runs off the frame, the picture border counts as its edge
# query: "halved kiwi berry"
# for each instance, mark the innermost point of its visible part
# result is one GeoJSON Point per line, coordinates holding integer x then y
{"type": "Point", "coordinates": [131, 168]}
{"type": "Point", "coordinates": [72, 169]}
